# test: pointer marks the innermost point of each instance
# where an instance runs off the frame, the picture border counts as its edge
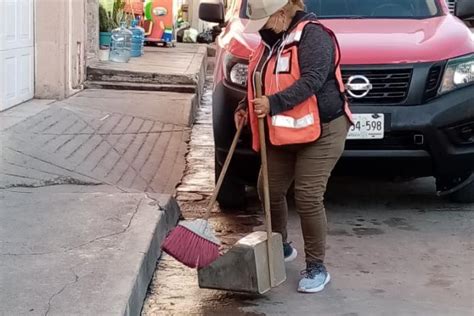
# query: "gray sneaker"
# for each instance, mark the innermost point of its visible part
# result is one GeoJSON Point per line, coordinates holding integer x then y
{"type": "Point", "coordinates": [315, 278]}
{"type": "Point", "coordinates": [289, 252]}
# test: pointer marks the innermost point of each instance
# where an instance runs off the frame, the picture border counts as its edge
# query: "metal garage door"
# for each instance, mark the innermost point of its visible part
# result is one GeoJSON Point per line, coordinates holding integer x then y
{"type": "Point", "coordinates": [16, 52]}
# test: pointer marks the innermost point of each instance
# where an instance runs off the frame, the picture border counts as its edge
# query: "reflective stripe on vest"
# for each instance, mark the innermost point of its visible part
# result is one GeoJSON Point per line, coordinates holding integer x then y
{"type": "Point", "coordinates": [294, 36]}
{"type": "Point", "coordinates": [290, 122]}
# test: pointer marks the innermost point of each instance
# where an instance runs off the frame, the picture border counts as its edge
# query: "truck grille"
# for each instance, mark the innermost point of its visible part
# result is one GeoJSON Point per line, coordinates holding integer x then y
{"type": "Point", "coordinates": [451, 5]}
{"type": "Point", "coordinates": [389, 86]}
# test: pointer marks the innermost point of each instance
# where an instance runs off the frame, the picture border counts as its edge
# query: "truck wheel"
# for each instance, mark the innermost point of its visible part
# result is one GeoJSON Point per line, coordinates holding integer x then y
{"type": "Point", "coordinates": [232, 193]}
{"type": "Point", "coordinates": [464, 195]}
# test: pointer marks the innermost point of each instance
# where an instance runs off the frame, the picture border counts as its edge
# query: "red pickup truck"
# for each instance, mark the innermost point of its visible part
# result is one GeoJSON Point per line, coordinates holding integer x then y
{"type": "Point", "coordinates": [408, 67]}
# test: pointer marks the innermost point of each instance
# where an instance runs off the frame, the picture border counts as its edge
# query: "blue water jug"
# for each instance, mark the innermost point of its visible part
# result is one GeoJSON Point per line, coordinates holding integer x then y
{"type": "Point", "coordinates": [138, 39]}
{"type": "Point", "coordinates": [121, 44]}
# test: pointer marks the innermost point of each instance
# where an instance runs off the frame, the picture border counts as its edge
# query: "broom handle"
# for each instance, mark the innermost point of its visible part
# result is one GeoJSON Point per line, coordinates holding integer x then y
{"type": "Point", "coordinates": [224, 171]}
{"type": "Point", "coordinates": [266, 189]}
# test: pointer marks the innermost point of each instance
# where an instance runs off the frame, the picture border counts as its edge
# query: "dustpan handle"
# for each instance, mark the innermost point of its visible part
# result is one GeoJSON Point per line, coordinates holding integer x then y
{"type": "Point", "coordinates": [266, 189]}
{"type": "Point", "coordinates": [223, 171]}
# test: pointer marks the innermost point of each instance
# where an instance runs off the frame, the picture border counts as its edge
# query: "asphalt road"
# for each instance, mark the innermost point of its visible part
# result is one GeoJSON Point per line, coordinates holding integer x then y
{"type": "Point", "coordinates": [393, 249]}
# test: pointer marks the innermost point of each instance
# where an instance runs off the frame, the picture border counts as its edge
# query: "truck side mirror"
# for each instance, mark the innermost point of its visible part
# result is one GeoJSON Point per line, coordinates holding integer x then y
{"type": "Point", "coordinates": [464, 9]}
{"type": "Point", "coordinates": [212, 11]}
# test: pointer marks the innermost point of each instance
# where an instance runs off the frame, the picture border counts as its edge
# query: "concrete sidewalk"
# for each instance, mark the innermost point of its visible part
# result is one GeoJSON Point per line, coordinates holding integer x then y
{"type": "Point", "coordinates": [81, 253]}
{"type": "Point", "coordinates": [131, 139]}
{"type": "Point", "coordinates": [86, 197]}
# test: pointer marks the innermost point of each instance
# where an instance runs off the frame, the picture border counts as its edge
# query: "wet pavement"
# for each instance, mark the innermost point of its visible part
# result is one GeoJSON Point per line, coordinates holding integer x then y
{"type": "Point", "coordinates": [394, 248]}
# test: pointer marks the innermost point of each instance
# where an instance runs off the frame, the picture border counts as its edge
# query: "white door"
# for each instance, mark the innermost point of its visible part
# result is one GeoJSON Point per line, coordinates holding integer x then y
{"type": "Point", "coordinates": [16, 52]}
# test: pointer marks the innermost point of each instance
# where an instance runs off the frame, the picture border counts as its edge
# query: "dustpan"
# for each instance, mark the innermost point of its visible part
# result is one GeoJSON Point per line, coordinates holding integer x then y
{"type": "Point", "coordinates": [245, 268]}
{"type": "Point", "coordinates": [255, 263]}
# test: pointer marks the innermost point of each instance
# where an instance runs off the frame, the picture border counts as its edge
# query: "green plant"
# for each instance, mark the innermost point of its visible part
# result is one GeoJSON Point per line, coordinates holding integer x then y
{"type": "Point", "coordinates": [105, 24]}
{"type": "Point", "coordinates": [118, 14]}
{"type": "Point", "coordinates": [111, 20]}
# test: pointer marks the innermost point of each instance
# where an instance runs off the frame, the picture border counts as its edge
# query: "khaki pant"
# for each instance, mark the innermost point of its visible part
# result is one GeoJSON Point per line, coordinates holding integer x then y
{"type": "Point", "coordinates": [309, 166]}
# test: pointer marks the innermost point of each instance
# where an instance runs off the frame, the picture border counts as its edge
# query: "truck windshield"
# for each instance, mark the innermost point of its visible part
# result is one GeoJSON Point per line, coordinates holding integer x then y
{"type": "Point", "coordinates": [369, 9]}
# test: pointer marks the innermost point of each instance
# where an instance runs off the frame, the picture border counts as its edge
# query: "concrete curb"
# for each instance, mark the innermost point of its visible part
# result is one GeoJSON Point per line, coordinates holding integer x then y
{"type": "Point", "coordinates": [211, 50]}
{"type": "Point", "coordinates": [95, 73]}
{"type": "Point", "coordinates": [139, 86]}
{"type": "Point", "coordinates": [170, 213]}
{"type": "Point", "coordinates": [202, 73]}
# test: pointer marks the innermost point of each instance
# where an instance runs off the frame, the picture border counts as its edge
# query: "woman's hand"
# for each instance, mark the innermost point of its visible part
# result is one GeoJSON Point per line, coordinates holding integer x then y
{"type": "Point", "coordinates": [240, 115]}
{"type": "Point", "coordinates": [261, 106]}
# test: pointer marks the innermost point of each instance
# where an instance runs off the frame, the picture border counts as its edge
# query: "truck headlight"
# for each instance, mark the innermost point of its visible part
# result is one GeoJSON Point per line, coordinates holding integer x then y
{"type": "Point", "coordinates": [236, 70]}
{"type": "Point", "coordinates": [459, 72]}
{"type": "Point", "coordinates": [238, 74]}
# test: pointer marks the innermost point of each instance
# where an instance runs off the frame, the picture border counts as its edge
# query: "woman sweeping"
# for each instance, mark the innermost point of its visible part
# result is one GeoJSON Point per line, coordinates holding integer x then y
{"type": "Point", "coordinates": [307, 119]}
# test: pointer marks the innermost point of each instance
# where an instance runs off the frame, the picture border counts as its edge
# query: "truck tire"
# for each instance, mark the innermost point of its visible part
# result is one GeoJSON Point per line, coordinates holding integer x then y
{"type": "Point", "coordinates": [231, 196]}
{"type": "Point", "coordinates": [463, 195]}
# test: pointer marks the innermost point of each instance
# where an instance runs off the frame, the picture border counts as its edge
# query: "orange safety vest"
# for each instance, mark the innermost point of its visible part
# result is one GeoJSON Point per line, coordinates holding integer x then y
{"type": "Point", "coordinates": [301, 124]}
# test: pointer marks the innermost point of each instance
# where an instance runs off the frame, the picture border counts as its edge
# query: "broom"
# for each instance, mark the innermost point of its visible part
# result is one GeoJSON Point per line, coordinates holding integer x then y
{"type": "Point", "coordinates": [193, 242]}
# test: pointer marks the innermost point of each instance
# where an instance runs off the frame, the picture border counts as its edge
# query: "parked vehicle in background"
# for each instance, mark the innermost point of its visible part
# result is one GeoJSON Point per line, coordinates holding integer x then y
{"type": "Point", "coordinates": [408, 66]}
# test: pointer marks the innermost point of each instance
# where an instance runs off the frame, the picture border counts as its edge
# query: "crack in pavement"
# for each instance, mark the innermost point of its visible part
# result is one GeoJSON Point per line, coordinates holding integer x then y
{"type": "Point", "coordinates": [112, 234]}
{"type": "Point", "coordinates": [53, 182]}
{"type": "Point", "coordinates": [160, 208]}
{"type": "Point", "coordinates": [86, 243]}
{"type": "Point", "coordinates": [76, 279]}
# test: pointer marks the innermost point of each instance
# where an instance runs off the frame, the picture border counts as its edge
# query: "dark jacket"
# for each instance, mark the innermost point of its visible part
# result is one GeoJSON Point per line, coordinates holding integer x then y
{"type": "Point", "coordinates": [316, 56]}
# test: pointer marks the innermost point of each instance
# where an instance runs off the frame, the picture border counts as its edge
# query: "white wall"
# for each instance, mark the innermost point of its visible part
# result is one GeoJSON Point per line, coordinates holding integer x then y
{"type": "Point", "coordinates": [61, 28]}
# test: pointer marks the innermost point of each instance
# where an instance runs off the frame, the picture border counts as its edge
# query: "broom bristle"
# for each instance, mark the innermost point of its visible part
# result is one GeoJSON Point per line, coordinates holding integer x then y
{"type": "Point", "coordinates": [189, 248]}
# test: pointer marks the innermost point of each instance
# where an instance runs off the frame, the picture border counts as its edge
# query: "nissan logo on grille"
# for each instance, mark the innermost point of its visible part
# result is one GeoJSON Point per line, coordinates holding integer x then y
{"type": "Point", "coordinates": [358, 86]}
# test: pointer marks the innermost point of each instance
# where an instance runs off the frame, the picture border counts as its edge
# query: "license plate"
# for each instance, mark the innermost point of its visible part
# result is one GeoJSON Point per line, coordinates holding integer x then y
{"type": "Point", "coordinates": [367, 126]}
